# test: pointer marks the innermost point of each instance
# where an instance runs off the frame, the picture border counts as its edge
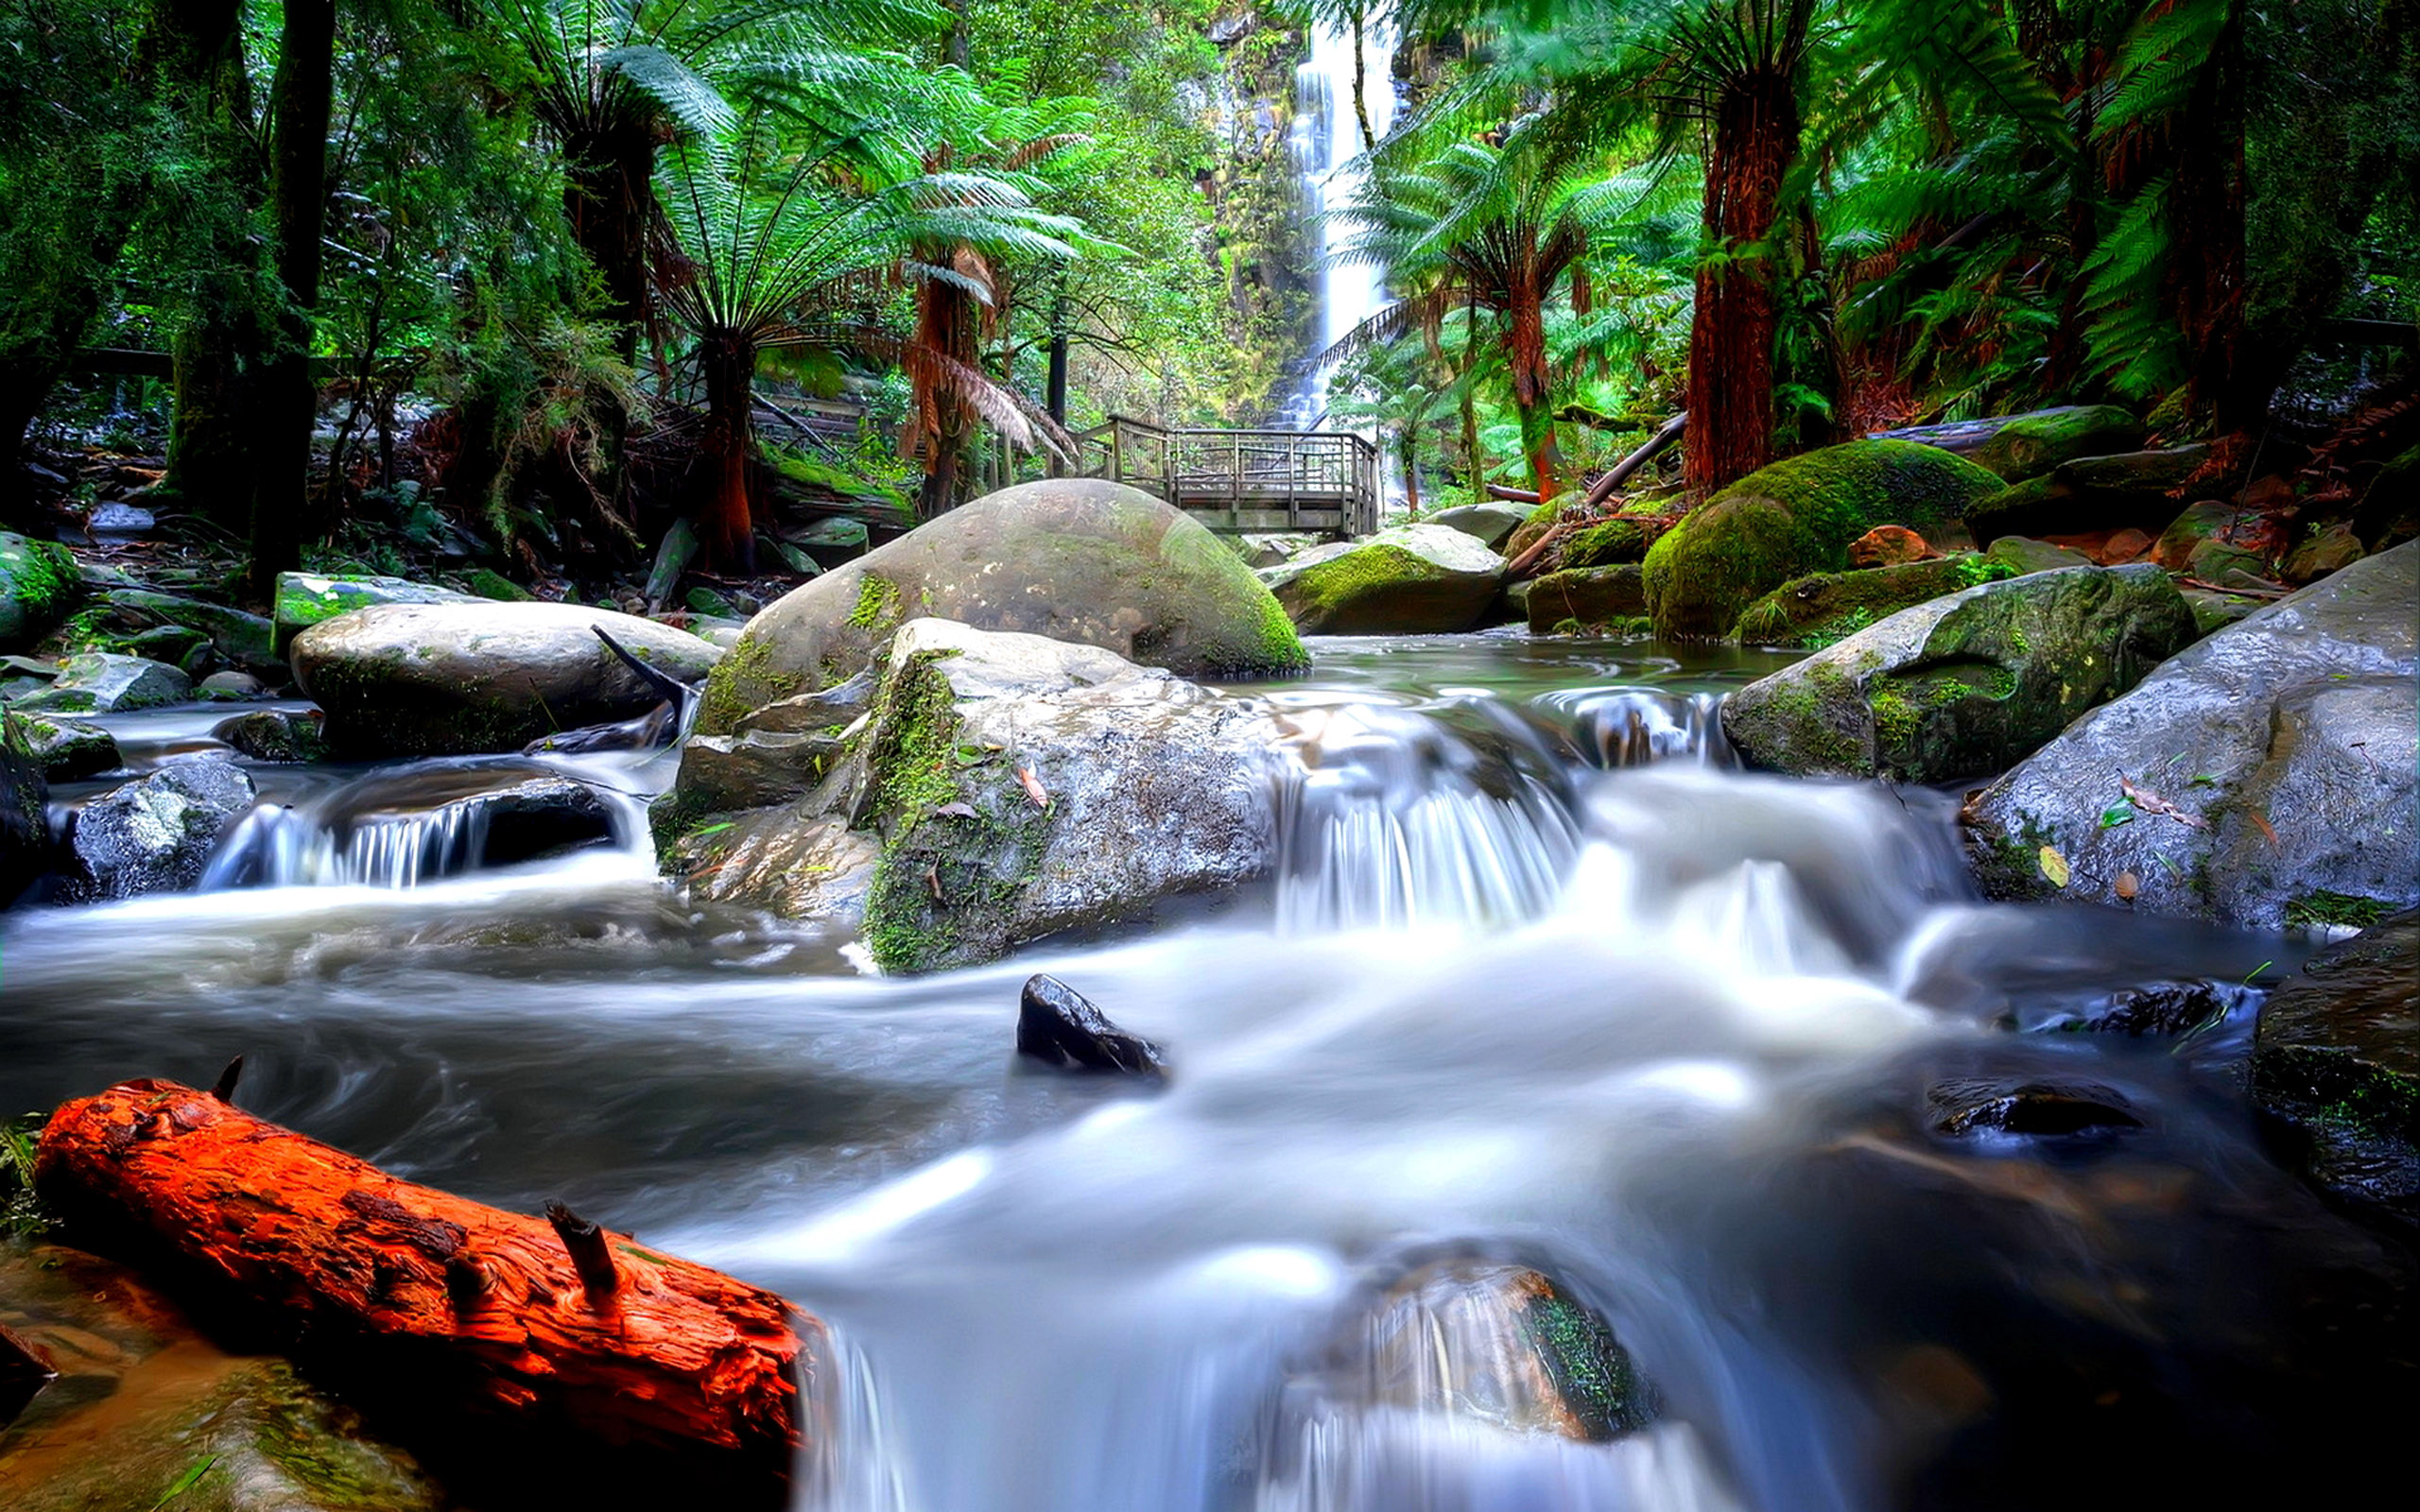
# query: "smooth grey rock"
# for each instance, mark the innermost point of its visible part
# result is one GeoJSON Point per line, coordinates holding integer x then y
{"type": "Point", "coordinates": [2289, 741]}
{"type": "Point", "coordinates": [418, 679]}
{"type": "Point", "coordinates": [1079, 559]}
{"type": "Point", "coordinates": [155, 835]}
{"type": "Point", "coordinates": [1492, 524]}
{"type": "Point", "coordinates": [1410, 581]}
{"type": "Point", "coordinates": [230, 687]}
{"type": "Point", "coordinates": [99, 683]}
{"type": "Point", "coordinates": [1960, 687]}
{"type": "Point", "coordinates": [304, 599]}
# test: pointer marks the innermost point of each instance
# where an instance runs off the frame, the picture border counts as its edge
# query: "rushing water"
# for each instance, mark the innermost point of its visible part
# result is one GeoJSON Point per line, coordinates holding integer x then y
{"type": "Point", "coordinates": [1544, 982]}
{"type": "Point", "coordinates": [1328, 157]}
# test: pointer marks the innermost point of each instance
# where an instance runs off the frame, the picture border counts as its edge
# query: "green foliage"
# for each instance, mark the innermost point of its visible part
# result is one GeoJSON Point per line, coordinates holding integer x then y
{"type": "Point", "coordinates": [22, 1215]}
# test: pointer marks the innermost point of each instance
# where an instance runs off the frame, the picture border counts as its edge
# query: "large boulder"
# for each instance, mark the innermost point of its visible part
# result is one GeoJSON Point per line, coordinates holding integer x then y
{"type": "Point", "coordinates": [1410, 581]}
{"type": "Point", "coordinates": [1814, 611]}
{"type": "Point", "coordinates": [1961, 687]}
{"type": "Point", "coordinates": [2273, 766]}
{"type": "Point", "coordinates": [1076, 559]}
{"type": "Point", "coordinates": [1001, 787]}
{"type": "Point", "coordinates": [2336, 1062]}
{"type": "Point", "coordinates": [433, 679]}
{"type": "Point", "coordinates": [1798, 516]}
{"type": "Point", "coordinates": [24, 808]}
{"type": "Point", "coordinates": [1491, 524]}
{"type": "Point", "coordinates": [304, 599]}
{"type": "Point", "coordinates": [156, 834]}
{"type": "Point", "coordinates": [101, 683]}
{"type": "Point", "coordinates": [2029, 445]}
{"type": "Point", "coordinates": [39, 584]}
{"type": "Point", "coordinates": [2124, 491]}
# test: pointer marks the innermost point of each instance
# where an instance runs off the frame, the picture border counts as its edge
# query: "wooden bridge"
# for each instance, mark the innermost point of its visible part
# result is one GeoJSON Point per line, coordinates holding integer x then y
{"type": "Point", "coordinates": [1237, 481]}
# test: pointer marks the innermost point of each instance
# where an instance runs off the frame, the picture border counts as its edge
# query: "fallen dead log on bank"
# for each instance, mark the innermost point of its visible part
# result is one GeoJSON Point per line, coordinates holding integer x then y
{"type": "Point", "coordinates": [561, 1331]}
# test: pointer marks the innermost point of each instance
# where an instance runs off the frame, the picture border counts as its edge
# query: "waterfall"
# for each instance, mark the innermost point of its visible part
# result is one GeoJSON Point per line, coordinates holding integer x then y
{"type": "Point", "coordinates": [1327, 149]}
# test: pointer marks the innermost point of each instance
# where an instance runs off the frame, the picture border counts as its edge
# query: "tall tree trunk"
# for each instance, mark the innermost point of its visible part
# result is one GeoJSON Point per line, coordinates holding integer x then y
{"type": "Point", "coordinates": [2209, 267]}
{"type": "Point", "coordinates": [1474, 463]}
{"type": "Point", "coordinates": [1408, 442]}
{"type": "Point", "coordinates": [1730, 337]}
{"type": "Point", "coordinates": [1360, 69]}
{"type": "Point", "coordinates": [726, 522]}
{"type": "Point", "coordinates": [1532, 385]}
{"type": "Point", "coordinates": [608, 195]}
{"type": "Point", "coordinates": [300, 100]}
{"type": "Point", "coordinates": [949, 323]}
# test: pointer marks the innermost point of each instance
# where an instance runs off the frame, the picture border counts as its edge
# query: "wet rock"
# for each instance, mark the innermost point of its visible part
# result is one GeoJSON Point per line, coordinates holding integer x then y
{"type": "Point", "coordinates": [423, 680]}
{"type": "Point", "coordinates": [2129, 489]}
{"type": "Point", "coordinates": [2331, 549]}
{"type": "Point", "coordinates": [812, 713]}
{"type": "Point", "coordinates": [25, 820]}
{"type": "Point", "coordinates": [2210, 537]}
{"type": "Point", "coordinates": [753, 769]}
{"type": "Point", "coordinates": [1816, 610]}
{"type": "Point", "coordinates": [2280, 756]}
{"type": "Point", "coordinates": [2335, 1065]}
{"type": "Point", "coordinates": [100, 682]}
{"type": "Point", "coordinates": [1079, 559]}
{"type": "Point", "coordinates": [2022, 553]}
{"type": "Point", "coordinates": [659, 726]}
{"type": "Point", "coordinates": [1794, 518]}
{"type": "Point", "coordinates": [230, 687]}
{"type": "Point", "coordinates": [1961, 687]}
{"type": "Point", "coordinates": [276, 734]}
{"type": "Point", "coordinates": [1486, 1340]}
{"type": "Point", "coordinates": [2053, 1109]}
{"type": "Point", "coordinates": [39, 584]}
{"type": "Point", "coordinates": [156, 834]}
{"type": "Point", "coordinates": [1012, 787]}
{"type": "Point", "coordinates": [1059, 1026]}
{"type": "Point", "coordinates": [2161, 1009]}
{"type": "Point", "coordinates": [1888, 546]}
{"type": "Point", "coordinates": [1410, 581]}
{"type": "Point", "coordinates": [243, 641]}
{"type": "Point", "coordinates": [2215, 611]}
{"type": "Point", "coordinates": [2032, 445]}
{"type": "Point", "coordinates": [1586, 596]}
{"type": "Point", "coordinates": [1490, 525]}
{"type": "Point", "coordinates": [304, 599]}
{"type": "Point", "coordinates": [146, 1412]}
{"type": "Point", "coordinates": [67, 750]}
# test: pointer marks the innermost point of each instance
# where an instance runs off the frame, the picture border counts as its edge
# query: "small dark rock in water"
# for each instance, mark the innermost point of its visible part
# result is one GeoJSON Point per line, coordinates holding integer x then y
{"type": "Point", "coordinates": [1969, 1106]}
{"type": "Point", "coordinates": [2163, 1007]}
{"type": "Point", "coordinates": [2336, 1064]}
{"type": "Point", "coordinates": [1058, 1024]}
{"type": "Point", "coordinates": [275, 735]}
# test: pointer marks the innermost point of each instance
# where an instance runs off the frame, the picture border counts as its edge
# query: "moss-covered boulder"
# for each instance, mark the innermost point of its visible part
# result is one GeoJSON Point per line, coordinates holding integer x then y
{"type": "Point", "coordinates": [39, 584]}
{"type": "Point", "coordinates": [1609, 543]}
{"type": "Point", "coordinates": [68, 750]}
{"type": "Point", "coordinates": [1961, 687]}
{"type": "Point", "coordinates": [2128, 489]}
{"type": "Point", "coordinates": [25, 803]}
{"type": "Point", "coordinates": [2208, 537]}
{"type": "Point", "coordinates": [1076, 559]}
{"type": "Point", "coordinates": [275, 735]}
{"type": "Point", "coordinates": [1000, 788]}
{"type": "Point", "coordinates": [2329, 549]}
{"type": "Point", "coordinates": [2336, 1066]}
{"type": "Point", "coordinates": [2023, 554]}
{"type": "Point", "coordinates": [304, 599]}
{"type": "Point", "coordinates": [100, 682]}
{"type": "Point", "coordinates": [2032, 445]}
{"type": "Point", "coordinates": [1810, 612]}
{"type": "Point", "coordinates": [1410, 581]}
{"type": "Point", "coordinates": [1541, 519]}
{"type": "Point", "coordinates": [2273, 766]}
{"type": "Point", "coordinates": [436, 680]}
{"type": "Point", "coordinates": [1587, 598]}
{"type": "Point", "coordinates": [1798, 516]}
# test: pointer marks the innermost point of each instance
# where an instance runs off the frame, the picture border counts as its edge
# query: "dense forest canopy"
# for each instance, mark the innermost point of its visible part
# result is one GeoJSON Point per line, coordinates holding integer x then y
{"type": "Point", "coordinates": [570, 271]}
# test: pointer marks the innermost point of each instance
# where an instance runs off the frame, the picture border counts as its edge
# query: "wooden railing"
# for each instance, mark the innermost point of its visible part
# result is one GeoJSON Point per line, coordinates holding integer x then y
{"type": "Point", "coordinates": [1235, 481]}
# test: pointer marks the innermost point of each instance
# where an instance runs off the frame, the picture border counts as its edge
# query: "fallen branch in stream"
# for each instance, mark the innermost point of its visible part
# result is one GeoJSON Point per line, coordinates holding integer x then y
{"type": "Point", "coordinates": [560, 1333]}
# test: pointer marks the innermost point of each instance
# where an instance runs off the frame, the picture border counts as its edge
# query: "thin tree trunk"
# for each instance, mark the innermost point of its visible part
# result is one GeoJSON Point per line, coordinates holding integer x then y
{"type": "Point", "coordinates": [726, 522]}
{"type": "Point", "coordinates": [1473, 464]}
{"type": "Point", "coordinates": [1531, 386]}
{"type": "Point", "coordinates": [300, 100]}
{"type": "Point", "coordinates": [1409, 442]}
{"type": "Point", "coordinates": [1361, 68]}
{"type": "Point", "coordinates": [1730, 337]}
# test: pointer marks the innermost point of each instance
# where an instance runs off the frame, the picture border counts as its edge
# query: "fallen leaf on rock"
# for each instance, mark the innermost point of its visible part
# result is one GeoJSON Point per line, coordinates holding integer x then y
{"type": "Point", "coordinates": [954, 811]}
{"type": "Point", "coordinates": [1033, 788]}
{"type": "Point", "coordinates": [2267, 830]}
{"type": "Point", "coordinates": [2054, 866]}
{"type": "Point", "coordinates": [2151, 802]}
{"type": "Point", "coordinates": [2129, 885]}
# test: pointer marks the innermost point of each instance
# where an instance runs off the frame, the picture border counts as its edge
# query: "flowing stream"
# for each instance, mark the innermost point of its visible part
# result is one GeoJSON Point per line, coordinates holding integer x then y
{"type": "Point", "coordinates": [1545, 982]}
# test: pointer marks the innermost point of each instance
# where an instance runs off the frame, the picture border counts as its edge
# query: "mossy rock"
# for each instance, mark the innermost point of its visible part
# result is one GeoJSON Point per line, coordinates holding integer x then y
{"type": "Point", "coordinates": [40, 584]}
{"type": "Point", "coordinates": [24, 808]}
{"type": "Point", "coordinates": [67, 750]}
{"type": "Point", "coordinates": [1542, 519]}
{"type": "Point", "coordinates": [2032, 445]}
{"type": "Point", "coordinates": [304, 599]}
{"type": "Point", "coordinates": [1961, 687]}
{"type": "Point", "coordinates": [1587, 598]}
{"type": "Point", "coordinates": [1609, 543]}
{"type": "Point", "coordinates": [1811, 612]}
{"type": "Point", "coordinates": [486, 582]}
{"type": "Point", "coordinates": [2125, 490]}
{"type": "Point", "coordinates": [1798, 516]}
{"type": "Point", "coordinates": [243, 640]}
{"type": "Point", "coordinates": [1410, 581]}
{"type": "Point", "coordinates": [1076, 559]}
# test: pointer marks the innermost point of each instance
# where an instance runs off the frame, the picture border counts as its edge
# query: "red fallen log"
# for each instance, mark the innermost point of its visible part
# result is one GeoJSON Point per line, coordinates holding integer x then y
{"type": "Point", "coordinates": [564, 1331]}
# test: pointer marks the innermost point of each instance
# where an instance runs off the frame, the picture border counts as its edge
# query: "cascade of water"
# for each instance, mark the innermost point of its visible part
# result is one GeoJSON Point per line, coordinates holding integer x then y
{"type": "Point", "coordinates": [1635, 726]}
{"type": "Point", "coordinates": [1329, 146]}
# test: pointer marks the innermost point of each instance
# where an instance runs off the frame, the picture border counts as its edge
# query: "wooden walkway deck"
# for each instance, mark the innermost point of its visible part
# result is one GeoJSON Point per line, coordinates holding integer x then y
{"type": "Point", "coordinates": [1236, 481]}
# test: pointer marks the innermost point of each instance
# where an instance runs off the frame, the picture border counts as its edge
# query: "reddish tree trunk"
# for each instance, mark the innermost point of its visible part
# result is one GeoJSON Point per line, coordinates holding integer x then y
{"type": "Point", "coordinates": [1730, 337]}
{"type": "Point", "coordinates": [1524, 307]}
{"type": "Point", "coordinates": [605, 1343]}
{"type": "Point", "coordinates": [726, 524]}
